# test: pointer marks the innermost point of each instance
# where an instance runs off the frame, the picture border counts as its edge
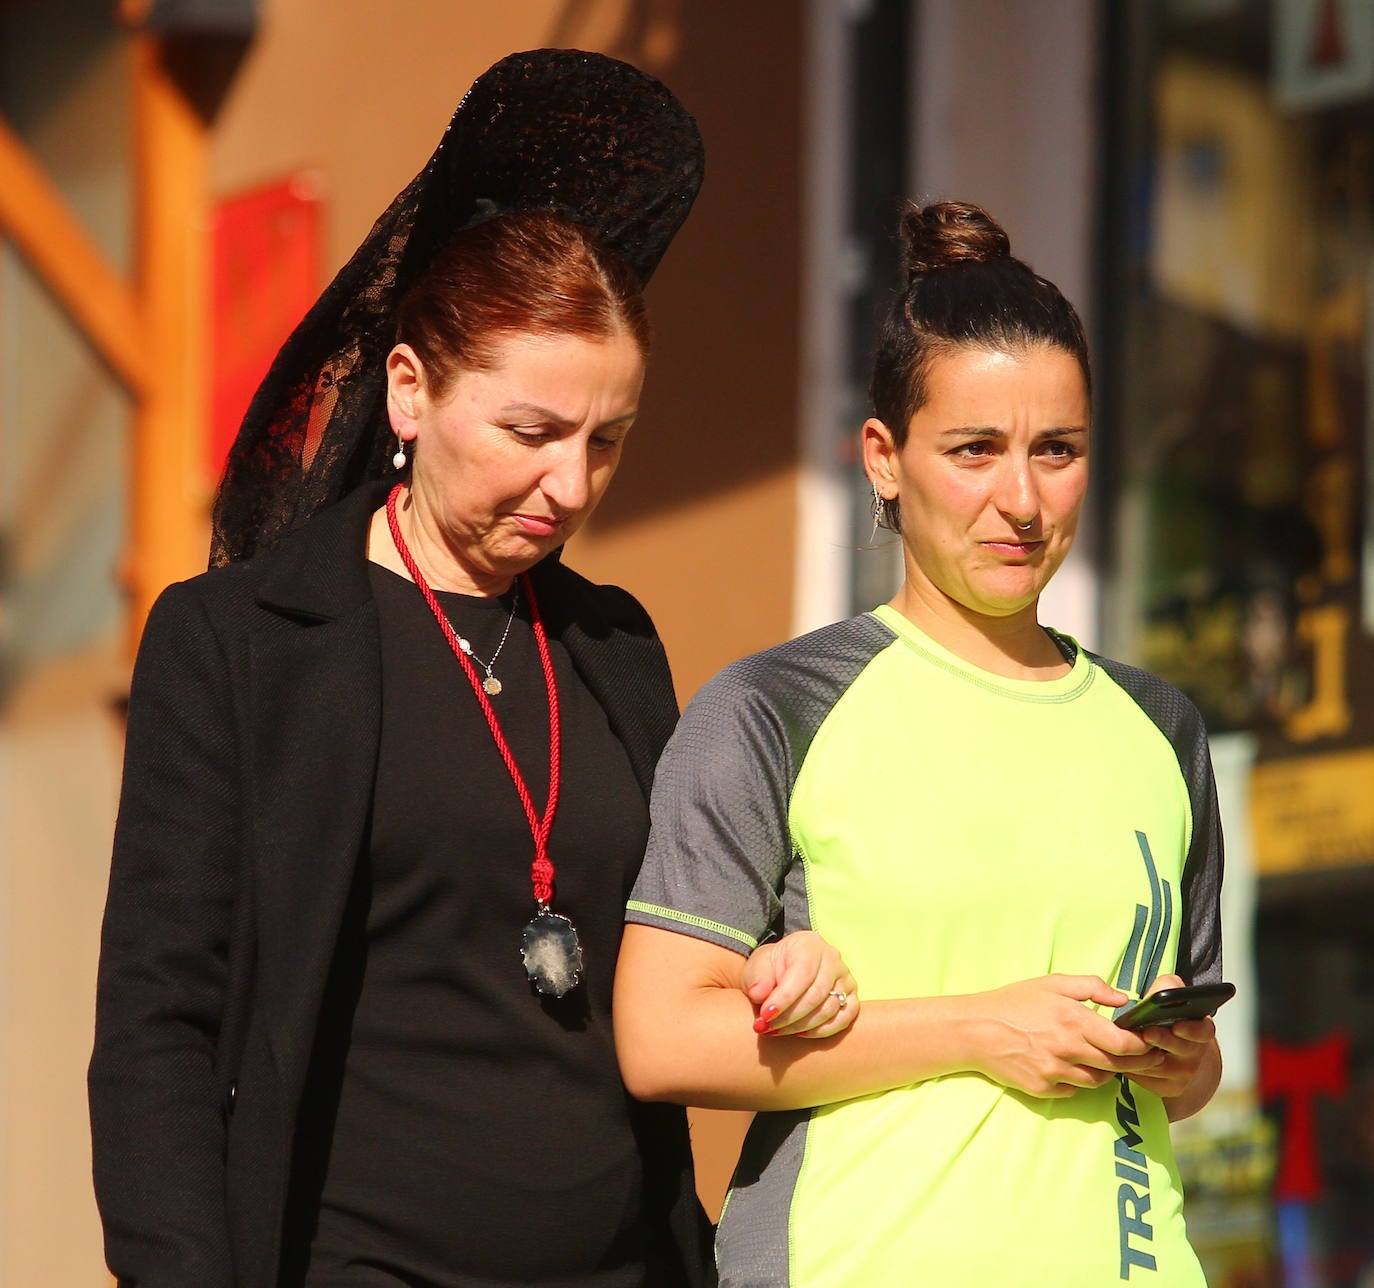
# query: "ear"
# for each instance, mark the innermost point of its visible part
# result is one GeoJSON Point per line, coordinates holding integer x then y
{"type": "Point", "coordinates": [405, 391]}
{"type": "Point", "coordinates": [880, 457]}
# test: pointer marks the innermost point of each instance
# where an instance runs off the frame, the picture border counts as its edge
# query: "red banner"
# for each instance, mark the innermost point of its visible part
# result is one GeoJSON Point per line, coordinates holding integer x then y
{"type": "Point", "coordinates": [265, 271]}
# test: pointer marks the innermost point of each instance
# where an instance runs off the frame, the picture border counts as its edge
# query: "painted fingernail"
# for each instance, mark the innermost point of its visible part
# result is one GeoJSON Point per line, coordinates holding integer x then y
{"type": "Point", "coordinates": [770, 1010]}
{"type": "Point", "coordinates": [761, 1025]}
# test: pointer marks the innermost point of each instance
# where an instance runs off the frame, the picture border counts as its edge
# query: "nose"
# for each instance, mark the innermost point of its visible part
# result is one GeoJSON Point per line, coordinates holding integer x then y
{"type": "Point", "coordinates": [567, 482]}
{"type": "Point", "coordinates": [1017, 497]}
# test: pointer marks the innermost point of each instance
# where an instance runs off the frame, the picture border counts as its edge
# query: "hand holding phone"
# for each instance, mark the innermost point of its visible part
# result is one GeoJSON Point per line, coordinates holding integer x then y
{"type": "Point", "coordinates": [1192, 1002]}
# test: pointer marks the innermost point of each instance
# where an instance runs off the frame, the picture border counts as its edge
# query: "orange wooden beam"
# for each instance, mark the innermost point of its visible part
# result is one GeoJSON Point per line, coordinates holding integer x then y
{"type": "Point", "coordinates": [34, 216]}
{"type": "Point", "coordinates": [169, 490]}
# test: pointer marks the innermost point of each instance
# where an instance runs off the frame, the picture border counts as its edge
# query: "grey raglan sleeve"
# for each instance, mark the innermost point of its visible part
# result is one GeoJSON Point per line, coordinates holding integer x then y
{"type": "Point", "coordinates": [720, 845]}
{"type": "Point", "coordinates": [1199, 941]}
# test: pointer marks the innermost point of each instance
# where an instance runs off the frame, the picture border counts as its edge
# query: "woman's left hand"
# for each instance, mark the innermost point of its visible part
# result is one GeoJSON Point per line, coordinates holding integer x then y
{"type": "Point", "coordinates": [799, 985]}
{"type": "Point", "coordinates": [1188, 1075]}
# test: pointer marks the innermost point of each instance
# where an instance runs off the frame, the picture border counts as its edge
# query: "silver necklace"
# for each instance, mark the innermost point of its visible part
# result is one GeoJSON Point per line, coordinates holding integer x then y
{"type": "Point", "coordinates": [491, 684]}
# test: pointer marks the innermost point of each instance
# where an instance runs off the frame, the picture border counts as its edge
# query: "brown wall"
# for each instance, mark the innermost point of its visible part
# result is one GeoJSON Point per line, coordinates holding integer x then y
{"type": "Point", "coordinates": [700, 524]}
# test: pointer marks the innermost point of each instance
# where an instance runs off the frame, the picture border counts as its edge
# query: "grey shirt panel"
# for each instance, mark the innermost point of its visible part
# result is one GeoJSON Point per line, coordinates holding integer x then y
{"type": "Point", "coordinates": [1175, 716]}
{"type": "Point", "coordinates": [753, 1248]}
{"type": "Point", "coordinates": [720, 847]}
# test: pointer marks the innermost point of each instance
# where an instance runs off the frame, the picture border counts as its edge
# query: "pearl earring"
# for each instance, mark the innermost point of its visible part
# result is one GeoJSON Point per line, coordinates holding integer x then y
{"type": "Point", "coordinates": [399, 460]}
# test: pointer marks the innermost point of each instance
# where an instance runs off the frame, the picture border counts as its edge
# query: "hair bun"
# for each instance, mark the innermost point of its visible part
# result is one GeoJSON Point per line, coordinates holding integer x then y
{"type": "Point", "coordinates": [946, 233]}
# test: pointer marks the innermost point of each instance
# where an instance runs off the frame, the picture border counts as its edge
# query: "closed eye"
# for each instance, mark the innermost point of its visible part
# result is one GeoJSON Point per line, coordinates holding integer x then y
{"type": "Point", "coordinates": [538, 435]}
{"type": "Point", "coordinates": [530, 435]}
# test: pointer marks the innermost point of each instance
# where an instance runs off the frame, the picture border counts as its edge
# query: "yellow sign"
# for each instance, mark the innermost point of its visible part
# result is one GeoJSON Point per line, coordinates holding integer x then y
{"type": "Point", "coordinates": [1313, 812]}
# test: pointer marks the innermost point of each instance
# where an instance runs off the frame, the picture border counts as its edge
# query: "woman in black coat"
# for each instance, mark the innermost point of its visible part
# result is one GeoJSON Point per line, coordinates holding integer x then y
{"type": "Point", "coordinates": [386, 770]}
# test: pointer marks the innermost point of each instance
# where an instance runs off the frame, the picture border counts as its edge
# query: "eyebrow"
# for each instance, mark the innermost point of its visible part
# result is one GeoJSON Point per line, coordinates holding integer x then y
{"type": "Point", "coordinates": [546, 416]}
{"type": "Point", "coordinates": [991, 431]}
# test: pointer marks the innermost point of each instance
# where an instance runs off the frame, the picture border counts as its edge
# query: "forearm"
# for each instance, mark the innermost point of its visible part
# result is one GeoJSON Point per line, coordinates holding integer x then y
{"type": "Point", "coordinates": [1199, 1092]}
{"type": "Point", "coordinates": [158, 1133]}
{"type": "Point", "coordinates": [704, 1052]}
{"type": "Point", "coordinates": [684, 1032]}
{"type": "Point", "coordinates": [158, 1143]}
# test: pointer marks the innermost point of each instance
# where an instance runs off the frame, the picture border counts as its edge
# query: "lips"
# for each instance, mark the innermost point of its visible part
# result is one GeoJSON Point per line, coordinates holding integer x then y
{"type": "Point", "coordinates": [539, 525]}
{"type": "Point", "coordinates": [1013, 549]}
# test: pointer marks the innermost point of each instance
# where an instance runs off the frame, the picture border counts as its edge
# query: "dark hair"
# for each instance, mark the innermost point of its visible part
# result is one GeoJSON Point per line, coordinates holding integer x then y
{"type": "Point", "coordinates": [532, 273]}
{"type": "Point", "coordinates": [963, 288]}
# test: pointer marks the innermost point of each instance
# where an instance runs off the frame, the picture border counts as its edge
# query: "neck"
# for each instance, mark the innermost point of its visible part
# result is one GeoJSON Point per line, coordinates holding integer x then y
{"type": "Point", "coordinates": [442, 567]}
{"type": "Point", "coordinates": [1016, 646]}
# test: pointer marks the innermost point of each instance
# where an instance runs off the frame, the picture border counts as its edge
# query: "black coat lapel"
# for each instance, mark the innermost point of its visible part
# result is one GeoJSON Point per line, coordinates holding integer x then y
{"type": "Point", "coordinates": [612, 645]}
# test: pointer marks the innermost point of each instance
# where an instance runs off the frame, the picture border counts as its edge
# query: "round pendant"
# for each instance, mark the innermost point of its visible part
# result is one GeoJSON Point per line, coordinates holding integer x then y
{"type": "Point", "coordinates": [464, 645]}
{"type": "Point", "coordinates": [552, 953]}
{"type": "Point", "coordinates": [492, 685]}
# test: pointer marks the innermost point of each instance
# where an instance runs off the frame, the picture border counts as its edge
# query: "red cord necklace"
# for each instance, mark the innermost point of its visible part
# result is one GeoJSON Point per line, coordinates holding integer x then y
{"type": "Point", "coordinates": [552, 954]}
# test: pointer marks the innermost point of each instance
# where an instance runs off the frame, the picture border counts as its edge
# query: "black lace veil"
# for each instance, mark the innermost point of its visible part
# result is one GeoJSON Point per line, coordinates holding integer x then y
{"type": "Point", "coordinates": [576, 133]}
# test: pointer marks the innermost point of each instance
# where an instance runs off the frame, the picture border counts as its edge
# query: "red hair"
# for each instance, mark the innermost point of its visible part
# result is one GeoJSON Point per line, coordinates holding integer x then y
{"type": "Point", "coordinates": [534, 273]}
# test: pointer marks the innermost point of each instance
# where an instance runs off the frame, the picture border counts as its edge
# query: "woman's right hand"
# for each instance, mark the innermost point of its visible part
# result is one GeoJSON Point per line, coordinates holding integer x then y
{"type": "Point", "coordinates": [799, 985]}
{"type": "Point", "coordinates": [1037, 1036]}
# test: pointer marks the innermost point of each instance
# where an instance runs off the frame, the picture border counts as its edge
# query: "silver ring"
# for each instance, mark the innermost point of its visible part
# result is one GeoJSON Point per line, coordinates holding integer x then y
{"type": "Point", "coordinates": [844, 998]}
{"type": "Point", "coordinates": [1025, 527]}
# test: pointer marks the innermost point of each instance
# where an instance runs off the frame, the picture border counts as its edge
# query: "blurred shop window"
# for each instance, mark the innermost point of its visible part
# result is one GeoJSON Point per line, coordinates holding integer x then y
{"type": "Point", "coordinates": [1241, 363]}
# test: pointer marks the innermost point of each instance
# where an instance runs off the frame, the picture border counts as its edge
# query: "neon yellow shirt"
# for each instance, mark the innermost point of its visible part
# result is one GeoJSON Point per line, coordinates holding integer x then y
{"type": "Point", "coordinates": [949, 831]}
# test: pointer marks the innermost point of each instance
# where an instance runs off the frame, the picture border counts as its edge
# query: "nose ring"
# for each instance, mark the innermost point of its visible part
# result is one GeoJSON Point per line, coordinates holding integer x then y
{"type": "Point", "coordinates": [1025, 527]}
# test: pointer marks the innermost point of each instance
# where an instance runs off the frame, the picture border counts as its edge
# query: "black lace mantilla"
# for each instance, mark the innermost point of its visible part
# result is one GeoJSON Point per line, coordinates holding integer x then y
{"type": "Point", "coordinates": [576, 133]}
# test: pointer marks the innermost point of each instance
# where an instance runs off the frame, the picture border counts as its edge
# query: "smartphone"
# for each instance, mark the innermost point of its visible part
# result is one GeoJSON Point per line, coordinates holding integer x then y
{"type": "Point", "coordinates": [1170, 1004]}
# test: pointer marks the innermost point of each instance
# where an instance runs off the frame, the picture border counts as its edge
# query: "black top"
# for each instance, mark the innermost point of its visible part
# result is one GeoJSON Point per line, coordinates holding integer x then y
{"type": "Point", "coordinates": [458, 1129]}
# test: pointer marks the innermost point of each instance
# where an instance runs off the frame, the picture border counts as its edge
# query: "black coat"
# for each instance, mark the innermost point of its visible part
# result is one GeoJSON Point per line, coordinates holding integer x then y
{"type": "Point", "coordinates": [253, 729]}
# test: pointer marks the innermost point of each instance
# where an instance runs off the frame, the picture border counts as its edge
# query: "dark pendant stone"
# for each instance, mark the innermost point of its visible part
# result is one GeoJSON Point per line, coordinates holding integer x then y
{"type": "Point", "coordinates": [553, 957]}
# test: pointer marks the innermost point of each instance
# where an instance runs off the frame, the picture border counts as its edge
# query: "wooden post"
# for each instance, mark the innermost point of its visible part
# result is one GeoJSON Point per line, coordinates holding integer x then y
{"type": "Point", "coordinates": [169, 493]}
{"type": "Point", "coordinates": [35, 217]}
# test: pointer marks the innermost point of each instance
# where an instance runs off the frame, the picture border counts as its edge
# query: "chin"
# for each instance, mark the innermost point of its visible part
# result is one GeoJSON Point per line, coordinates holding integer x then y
{"type": "Point", "coordinates": [1008, 601]}
{"type": "Point", "coordinates": [1003, 611]}
{"type": "Point", "coordinates": [526, 555]}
